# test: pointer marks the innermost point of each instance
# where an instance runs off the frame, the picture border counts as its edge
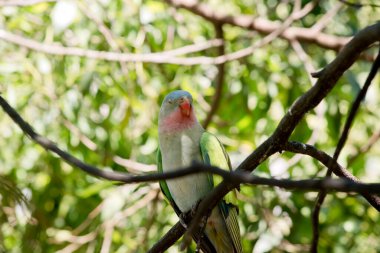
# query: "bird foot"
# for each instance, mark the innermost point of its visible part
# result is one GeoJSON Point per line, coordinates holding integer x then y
{"type": "Point", "coordinates": [184, 218]}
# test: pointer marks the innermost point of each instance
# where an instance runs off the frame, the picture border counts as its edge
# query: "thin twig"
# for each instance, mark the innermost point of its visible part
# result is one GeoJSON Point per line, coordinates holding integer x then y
{"type": "Point", "coordinates": [222, 59]}
{"type": "Point", "coordinates": [130, 165]}
{"type": "Point", "coordinates": [325, 19]}
{"type": "Point", "coordinates": [106, 32]}
{"type": "Point", "coordinates": [325, 159]}
{"type": "Point", "coordinates": [219, 80]}
{"type": "Point", "coordinates": [342, 140]}
{"type": "Point", "coordinates": [78, 241]}
{"type": "Point", "coordinates": [304, 58]}
{"type": "Point", "coordinates": [364, 149]}
{"type": "Point", "coordinates": [359, 5]}
{"type": "Point", "coordinates": [150, 222]}
{"type": "Point", "coordinates": [133, 166]}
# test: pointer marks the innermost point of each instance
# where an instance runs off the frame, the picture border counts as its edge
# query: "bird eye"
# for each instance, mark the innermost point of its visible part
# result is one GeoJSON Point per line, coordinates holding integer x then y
{"type": "Point", "coordinates": [170, 101]}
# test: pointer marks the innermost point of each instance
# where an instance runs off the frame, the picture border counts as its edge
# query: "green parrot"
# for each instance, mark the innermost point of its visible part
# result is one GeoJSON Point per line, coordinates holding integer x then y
{"type": "Point", "coordinates": [182, 140]}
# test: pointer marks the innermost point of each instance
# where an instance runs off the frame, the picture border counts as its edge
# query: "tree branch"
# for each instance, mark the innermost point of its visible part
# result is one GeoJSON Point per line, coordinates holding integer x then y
{"type": "Point", "coordinates": [168, 239]}
{"type": "Point", "coordinates": [219, 80]}
{"type": "Point", "coordinates": [262, 26]}
{"type": "Point", "coordinates": [325, 19]}
{"type": "Point", "coordinates": [109, 175]}
{"type": "Point", "coordinates": [364, 149]}
{"type": "Point", "coordinates": [342, 140]}
{"type": "Point", "coordinates": [306, 102]}
{"type": "Point", "coordinates": [329, 162]}
{"type": "Point", "coordinates": [233, 177]}
{"type": "Point", "coordinates": [169, 56]}
{"type": "Point", "coordinates": [328, 184]}
{"type": "Point", "coordinates": [236, 177]}
{"type": "Point", "coordinates": [359, 5]}
{"type": "Point", "coordinates": [327, 80]}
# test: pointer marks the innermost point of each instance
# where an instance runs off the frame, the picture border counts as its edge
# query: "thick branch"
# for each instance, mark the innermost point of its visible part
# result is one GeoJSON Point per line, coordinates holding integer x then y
{"type": "Point", "coordinates": [310, 185]}
{"type": "Point", "coordinates": [234, 177]}
{"type": "Point", "coordinates": [327, 80]}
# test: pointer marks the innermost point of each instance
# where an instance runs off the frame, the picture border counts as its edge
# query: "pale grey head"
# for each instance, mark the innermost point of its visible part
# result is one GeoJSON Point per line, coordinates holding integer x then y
{"type": "Point", "coordinates": [174, 100]}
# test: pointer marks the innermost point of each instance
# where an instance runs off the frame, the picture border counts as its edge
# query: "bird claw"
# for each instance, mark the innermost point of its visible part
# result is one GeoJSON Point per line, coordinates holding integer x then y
{"type": "Point", "coordinates": [184, 219]}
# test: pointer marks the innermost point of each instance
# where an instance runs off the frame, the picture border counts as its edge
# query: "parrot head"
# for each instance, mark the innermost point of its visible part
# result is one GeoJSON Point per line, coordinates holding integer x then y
{"type": "Point", "coordinates": [176, 111]}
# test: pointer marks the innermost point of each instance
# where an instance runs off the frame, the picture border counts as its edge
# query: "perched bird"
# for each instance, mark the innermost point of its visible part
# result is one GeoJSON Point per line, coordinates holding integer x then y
{"type": "Point", "coordinates": [182, 141]}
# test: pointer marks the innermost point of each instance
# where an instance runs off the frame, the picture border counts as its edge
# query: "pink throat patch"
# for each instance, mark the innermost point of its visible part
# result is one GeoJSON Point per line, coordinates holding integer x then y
{"type": "Point", "coordinates": [176, 121]}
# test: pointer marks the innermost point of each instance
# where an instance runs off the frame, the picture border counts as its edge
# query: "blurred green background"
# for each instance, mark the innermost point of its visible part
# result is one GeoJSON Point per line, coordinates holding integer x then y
{"type": "Point", "coordinates": [105, 113]}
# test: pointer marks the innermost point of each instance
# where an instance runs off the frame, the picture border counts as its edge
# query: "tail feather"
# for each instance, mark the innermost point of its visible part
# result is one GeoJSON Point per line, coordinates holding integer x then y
{"type": "Point", "coordinates": [233, 229]}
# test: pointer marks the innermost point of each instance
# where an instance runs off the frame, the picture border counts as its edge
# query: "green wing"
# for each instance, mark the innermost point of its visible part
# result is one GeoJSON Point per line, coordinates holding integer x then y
{"type": "Point", "coordinates": [164, 187]}
{"type": "Point", "coordinates": [213, 153]}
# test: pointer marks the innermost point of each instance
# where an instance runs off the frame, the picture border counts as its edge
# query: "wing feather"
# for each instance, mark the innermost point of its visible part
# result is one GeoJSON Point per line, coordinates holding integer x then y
{"type": "Point", "coordinates": [213, 153]}
{"type": "Point", "coordinates": [163, 185]}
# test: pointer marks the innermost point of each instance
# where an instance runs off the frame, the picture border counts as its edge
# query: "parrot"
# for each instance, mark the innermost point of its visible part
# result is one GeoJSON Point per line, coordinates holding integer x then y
{"type": "Point", "coordinates": [183, 141]}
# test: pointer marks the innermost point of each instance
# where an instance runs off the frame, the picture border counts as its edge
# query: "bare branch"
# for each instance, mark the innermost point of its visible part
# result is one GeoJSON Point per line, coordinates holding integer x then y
{"type": "Point", "coordinates": [327, 80]}
{"type": "Point", "coordinates": [262, 25]}
{"type": "Point", "coordinates": [266, 40]}
{"type": "Point", "coordinates": [94, 171]}
{"type": "Point", "coordinates": [161, 57]}
{"type": "Point", "coordinates": [323, 22]}
{"type": "Point", "coordinates": [296, 14]}
{"type": "Point", "coordinates": [328, 184]}
{"type": "Point", "coordinates": [304, 58]}
{"type": "Point", "coordinates": [130, 165]}
{"type": "Point", "coordinates": [329, 162]}
{"type": "Point", "coordinates": [168, 239]}
{"type": "Point", "coordinates": [199, 46]}
{"type": "Point", "coordinates": [342, 140]}
{"type": "Point", "coordinates": [359, 5]}
{"type": "Point", "coordinates": [133, 166]}
{"type": "Point", "coordinates": [219, 80]}
{"type": "Point", "coordinates": [364, 149]}
{"type": "Point", "coordinates": [306, 102]}
{"type": "Point", "coordinates": [234, 177]}
{"type": "Point", "coordinates": [355, 107]}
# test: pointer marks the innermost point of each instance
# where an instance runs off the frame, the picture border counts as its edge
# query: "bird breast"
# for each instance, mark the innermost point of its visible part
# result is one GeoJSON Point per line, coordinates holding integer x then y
{"type": "Point", "coordinates": [178, 151]}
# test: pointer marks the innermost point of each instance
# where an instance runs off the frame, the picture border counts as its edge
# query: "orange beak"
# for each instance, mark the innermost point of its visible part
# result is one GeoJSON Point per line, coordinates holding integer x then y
{"type": "Point", "coordinates": [185, 107]}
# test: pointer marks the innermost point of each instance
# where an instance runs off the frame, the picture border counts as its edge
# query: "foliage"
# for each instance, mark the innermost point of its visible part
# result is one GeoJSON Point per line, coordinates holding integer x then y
{"type": "Point", "coordinates": [101, 111]}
